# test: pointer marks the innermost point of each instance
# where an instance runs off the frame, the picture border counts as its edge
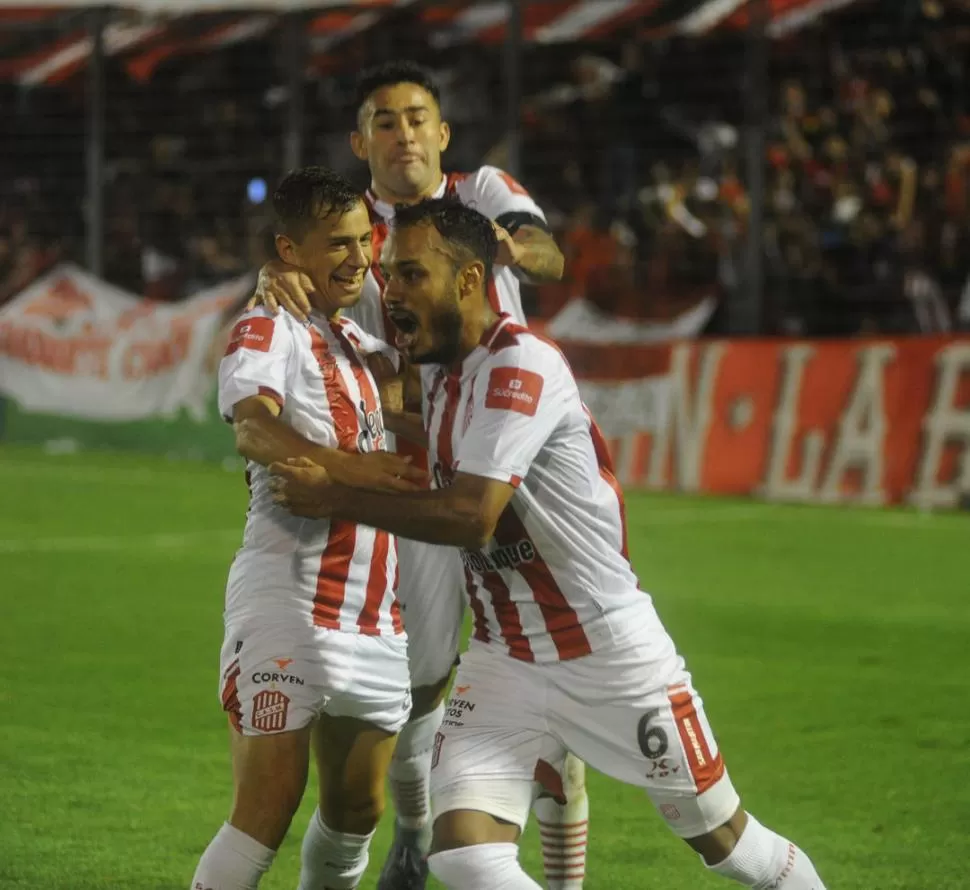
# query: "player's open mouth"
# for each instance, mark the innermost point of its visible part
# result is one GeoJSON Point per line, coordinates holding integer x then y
{"type": "Point", "coordinates": [407, 325]}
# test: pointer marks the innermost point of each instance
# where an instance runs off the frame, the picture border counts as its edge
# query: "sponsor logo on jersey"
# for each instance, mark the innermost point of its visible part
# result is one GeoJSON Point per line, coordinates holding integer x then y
{"type": "Point", "coordinates": [251, 333]}
{"type": "Point", "coordinates": [511, 556]}
{"type": "Point", "coordinates": [514, 389]}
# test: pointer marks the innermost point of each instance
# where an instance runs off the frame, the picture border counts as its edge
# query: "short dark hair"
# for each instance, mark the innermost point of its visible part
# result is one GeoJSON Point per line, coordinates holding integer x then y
{"type": "Point", "coordinates": [370, 80]}
{"type": "Point", "coordinates": [469, 232]}
{"type": "Point", "coordinates": [310, 194]}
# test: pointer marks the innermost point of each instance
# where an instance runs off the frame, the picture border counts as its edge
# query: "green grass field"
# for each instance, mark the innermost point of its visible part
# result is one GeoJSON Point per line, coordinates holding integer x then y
{"type": "Point", "coordinates": [831, 646]}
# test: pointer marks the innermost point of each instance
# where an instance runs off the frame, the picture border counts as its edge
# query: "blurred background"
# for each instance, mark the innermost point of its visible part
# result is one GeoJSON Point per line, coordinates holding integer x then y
{"type": "Point", "coordinates": [782, 168]}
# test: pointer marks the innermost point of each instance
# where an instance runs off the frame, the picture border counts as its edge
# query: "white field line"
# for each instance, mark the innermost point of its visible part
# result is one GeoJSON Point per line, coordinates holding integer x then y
{"type": "Point", "coordinates": [115, 543]}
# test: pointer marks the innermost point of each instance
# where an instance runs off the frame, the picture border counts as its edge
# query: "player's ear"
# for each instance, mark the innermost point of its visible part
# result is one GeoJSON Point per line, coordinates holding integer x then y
{"type": "Point", "coordinates": [288, 251]}
{"type": "Point", "coordinates": [471, 279]}
{"type": "Point", "coordinates": [358, 145]}
{"type": "Point", "coordinates": [444, 135]}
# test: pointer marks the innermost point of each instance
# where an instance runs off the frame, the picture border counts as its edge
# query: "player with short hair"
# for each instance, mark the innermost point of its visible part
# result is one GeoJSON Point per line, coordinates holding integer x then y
{"type": "Point", "coordinates": [401, 135]}
{"type": "Point", "coordinates": [315, 654]}
{"type": "Point", "coordinates": [568, 654]}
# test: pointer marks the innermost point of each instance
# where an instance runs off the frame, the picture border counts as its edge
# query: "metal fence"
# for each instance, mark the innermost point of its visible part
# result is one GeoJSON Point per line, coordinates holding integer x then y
{"type": "Point", "coordinates": [806, 162]}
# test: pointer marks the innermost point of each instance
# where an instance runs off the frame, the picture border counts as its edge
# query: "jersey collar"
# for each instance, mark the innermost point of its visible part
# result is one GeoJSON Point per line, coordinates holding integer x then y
{"type": "Point", "coordinates": [386, 211]}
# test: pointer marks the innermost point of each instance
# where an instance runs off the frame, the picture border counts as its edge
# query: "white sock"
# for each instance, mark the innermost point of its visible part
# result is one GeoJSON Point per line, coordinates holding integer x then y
{"type": "Point", "coordinates": [330, 859]}
{"type": "Point", "coordinates": [564, 831]}
{"type": "Point", "coordinates": [766, 861]}
{"type": "Point", "coordinates": [481, 867]}
{"type": "Point", "coordinates": [409, 774]}
{"type": "Point", "coordinates": [232, 861]}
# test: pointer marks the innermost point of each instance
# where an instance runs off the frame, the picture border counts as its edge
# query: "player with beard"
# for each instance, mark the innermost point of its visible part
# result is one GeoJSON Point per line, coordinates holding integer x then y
{"type": "Point", "coordinates": [568, 653]}
{"type": "Point", "coordinates": [401, 135]}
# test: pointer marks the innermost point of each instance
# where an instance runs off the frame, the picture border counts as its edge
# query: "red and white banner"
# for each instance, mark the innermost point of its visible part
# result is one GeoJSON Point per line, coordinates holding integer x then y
{"type": "Point", "coordinates": [73, 345]}
{"type": "Point", "coordinates": [849, 421]}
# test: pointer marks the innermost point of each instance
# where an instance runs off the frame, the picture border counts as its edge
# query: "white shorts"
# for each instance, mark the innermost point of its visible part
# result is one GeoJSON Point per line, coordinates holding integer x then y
{"type": "Point", "coordinates": [638, 721]}
{"type": "Point", "coordinates": [431, 588]}
{"type": "Point", "coordinates": [280, 678]}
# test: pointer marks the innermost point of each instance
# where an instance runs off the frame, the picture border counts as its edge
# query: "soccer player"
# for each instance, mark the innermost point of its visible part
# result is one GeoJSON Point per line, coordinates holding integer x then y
{"type": "Point", "coordinates": [568, 654]}
{"type": "Point", "coordinates": [315, 654]}
{"type": "Point", "coordinates": [400, 134]}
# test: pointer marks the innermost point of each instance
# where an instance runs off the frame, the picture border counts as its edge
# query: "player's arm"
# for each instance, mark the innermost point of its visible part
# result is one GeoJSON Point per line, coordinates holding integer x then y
{"type": "Point", "coordinates": [527, 245]}
{"type": "Point", "coordinates": [518, 405]}
{"type": "Point", "coordinates": [264, 438]}
{"type": "Point", "coordinates": [462, 515]}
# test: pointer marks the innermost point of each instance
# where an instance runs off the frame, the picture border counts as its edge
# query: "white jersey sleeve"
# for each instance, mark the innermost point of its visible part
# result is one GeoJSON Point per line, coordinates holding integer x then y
{"type": "Point", "coordinates": [521, 395]}
{"type": "Point", "coordinates": [256, 360]}
{"type": "Point", "coordinates": [494, 193]}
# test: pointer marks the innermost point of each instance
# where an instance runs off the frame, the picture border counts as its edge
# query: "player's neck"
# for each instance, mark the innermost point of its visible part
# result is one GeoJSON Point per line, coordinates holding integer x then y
{"type": "Point", "coordinates": [388, 196]}
{"type": "Point", "coordinates": [474, 329]}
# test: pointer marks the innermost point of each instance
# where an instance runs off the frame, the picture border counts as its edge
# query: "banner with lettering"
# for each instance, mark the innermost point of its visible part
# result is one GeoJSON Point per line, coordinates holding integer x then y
{"type": "Point", "coordinates": [72, 345]}
{"type": "Point", "coordinates": [850, 421]}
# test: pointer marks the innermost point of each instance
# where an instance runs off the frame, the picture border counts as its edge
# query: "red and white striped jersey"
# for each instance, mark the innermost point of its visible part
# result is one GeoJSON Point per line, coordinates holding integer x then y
{"type": "Point", "coordinates": [335, 573]}
{"type": "Point", "coordinates": [555, 582]}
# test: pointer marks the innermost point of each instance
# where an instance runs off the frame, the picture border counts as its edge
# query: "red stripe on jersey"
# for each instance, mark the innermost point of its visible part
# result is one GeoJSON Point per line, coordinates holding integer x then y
{"type": "Point", "coordinates": [368, 394]}
{"type": "Point", "coordinates": [452, 180]}
{"type": "Point", "coordinates": [342, 409]}
{"type": "Point", "coordinates": [705, 768]}
{"type": "Point", "coordinates": [335, 564]}
{"type": "Point", "coordinates": [562, 622]}
{"type": "Point", "coordinates": [507, 614]}
{"type": "Point", "coordinates": [338, 555]}
{"type": "Point", "coordinates": [446, 457]}
{"type": "Point", "coordinates": [607, 475]}
{"type": "Point", "coordinates": [370, 614]}
{"type": "Point", "coordinates": [396, 621]}
{"type": "Point", "coordinates": [230, 696]}
{"type": "Point", "coordinates": [480, 631]}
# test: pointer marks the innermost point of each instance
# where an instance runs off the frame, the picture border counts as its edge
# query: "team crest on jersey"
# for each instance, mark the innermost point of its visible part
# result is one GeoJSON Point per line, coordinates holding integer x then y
{"type": "Point", "coordinates": [251, 333]}
{"type": "Point", "coordinates": [514, 389]}
{"type": "Point", "coordinates": [269, 711]}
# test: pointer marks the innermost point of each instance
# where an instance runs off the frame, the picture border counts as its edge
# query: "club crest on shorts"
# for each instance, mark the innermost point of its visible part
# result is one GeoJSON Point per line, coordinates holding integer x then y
{"type": "Point", "coordinates": [269, 711]}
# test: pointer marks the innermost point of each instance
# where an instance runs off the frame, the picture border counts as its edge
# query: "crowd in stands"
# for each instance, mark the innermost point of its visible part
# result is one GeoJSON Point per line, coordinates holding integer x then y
{"type": "Point", "coordinates": [637, 150]}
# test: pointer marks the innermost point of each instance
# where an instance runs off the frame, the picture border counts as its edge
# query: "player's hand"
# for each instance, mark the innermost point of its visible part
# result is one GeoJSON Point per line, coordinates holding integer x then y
{"type": "Point", "coordinates": [509, 253]}
{"type": "Point", "coordinates": [303, 487]}
{"type": "Point", "coordinates": [280, 285]}
{"type": "Point", "coordinates": [379, 471]}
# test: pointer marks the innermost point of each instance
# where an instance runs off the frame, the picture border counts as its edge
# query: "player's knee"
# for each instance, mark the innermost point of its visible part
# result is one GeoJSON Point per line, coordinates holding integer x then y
{"type": "Point", "coordinates": [353, 810]}
{"type": "Point", "coordinates": [719, 843]}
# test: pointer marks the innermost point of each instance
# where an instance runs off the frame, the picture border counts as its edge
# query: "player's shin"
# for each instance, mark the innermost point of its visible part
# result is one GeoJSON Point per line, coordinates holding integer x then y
{"type": "Point", "coordinates": [481, 867]}
{"type": "Point", "coordinates": [564, 829]}
{"type": "Point", "coordinates": [331, 859]}
{"type": "Point", "coordinates": [408, 776]}
{"type": "Point", "coordinates": [767, 861]}
{"type": "Point", "coordinates": [232, 861]}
